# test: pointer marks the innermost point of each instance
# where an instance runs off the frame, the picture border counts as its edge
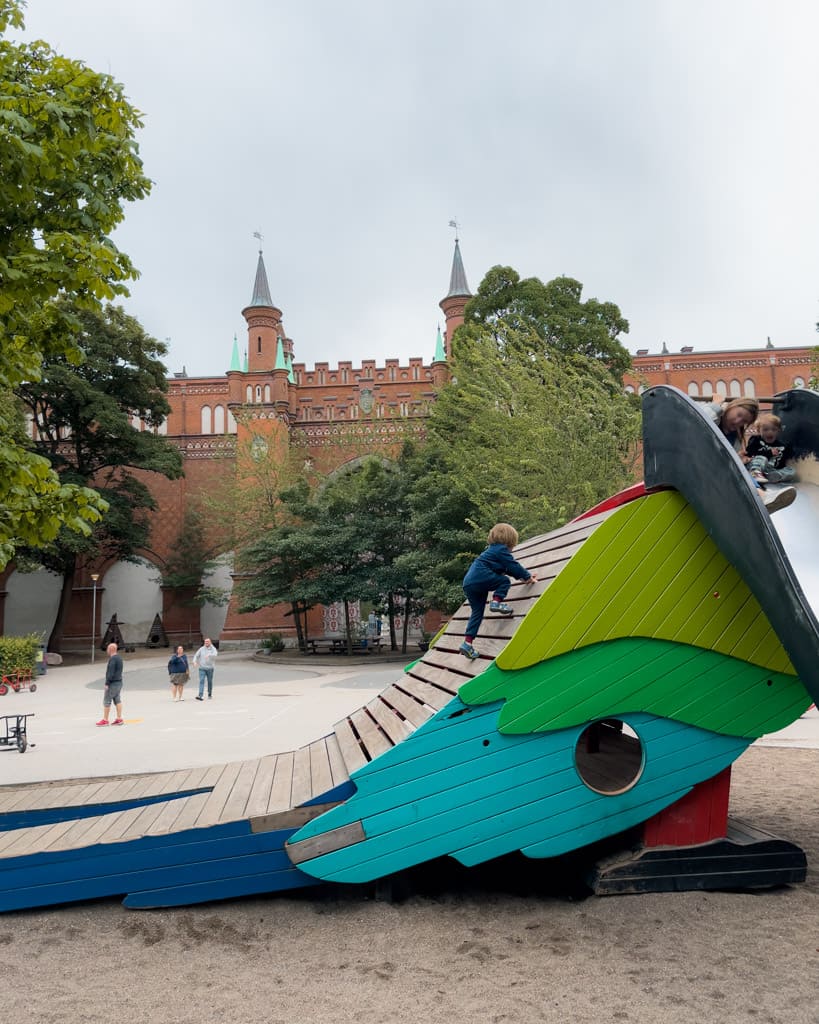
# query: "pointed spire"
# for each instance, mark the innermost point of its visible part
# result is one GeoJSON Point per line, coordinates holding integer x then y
{"type": "Point", "coordinates": [234, 359]}
{"type": "Point", "coordinates": [457, 279]}
{"type": "Point", "coordinates": [261, 289]}
{"type": "Point", "coordinates": [244, 367]}
{"type": "Point", "coordinates": [440, 351]}
{"type": "Point", "coordinates": [291, 376]}
{"type": "Point", "coordinates": [281, 362]}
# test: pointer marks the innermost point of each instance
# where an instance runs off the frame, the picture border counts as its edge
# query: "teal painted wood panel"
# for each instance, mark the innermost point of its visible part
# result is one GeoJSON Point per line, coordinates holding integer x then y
{"type": "Point", "coordinates": [475, 794]}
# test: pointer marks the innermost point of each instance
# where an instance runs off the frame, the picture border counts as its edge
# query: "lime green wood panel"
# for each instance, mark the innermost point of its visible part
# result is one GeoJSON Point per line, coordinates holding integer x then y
{"type": "Point", "coordinates": [659, 677]}
{"type": "Point", "coordinates": [650, 570]}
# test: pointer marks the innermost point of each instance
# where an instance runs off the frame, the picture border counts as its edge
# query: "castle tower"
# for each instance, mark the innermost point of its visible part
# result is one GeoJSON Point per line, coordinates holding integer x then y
{"type": "Point", "coordinates": [440, 370]}
{"type": "Point", "coordinates": [264, 324]}
{"type": "Point", "coordinates": [455, 300]}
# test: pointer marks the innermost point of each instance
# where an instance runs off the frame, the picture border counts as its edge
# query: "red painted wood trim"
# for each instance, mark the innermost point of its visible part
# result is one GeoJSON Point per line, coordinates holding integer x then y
{"type": "Point", "coordinates": [698, 817]}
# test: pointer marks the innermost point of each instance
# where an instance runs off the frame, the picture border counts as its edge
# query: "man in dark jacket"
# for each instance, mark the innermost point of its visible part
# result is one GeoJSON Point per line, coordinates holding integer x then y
{"type": "Point", "coordinates": [113, 688]}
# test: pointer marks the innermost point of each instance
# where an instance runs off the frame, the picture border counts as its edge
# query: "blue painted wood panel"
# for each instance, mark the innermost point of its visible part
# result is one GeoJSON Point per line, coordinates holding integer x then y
{"type": "Point", "coordinates": [215, 859]}
{"type": "Point", "coordinates": [458, 787]}
{"type": "Point", "coordinates": [17, 819]}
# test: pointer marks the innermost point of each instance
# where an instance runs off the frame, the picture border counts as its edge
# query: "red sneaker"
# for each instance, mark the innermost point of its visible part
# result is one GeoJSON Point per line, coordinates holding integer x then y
{"type": "Point", "coordinates": [118, 721]}
{"type": "Point", "coordinates": [103, 721]}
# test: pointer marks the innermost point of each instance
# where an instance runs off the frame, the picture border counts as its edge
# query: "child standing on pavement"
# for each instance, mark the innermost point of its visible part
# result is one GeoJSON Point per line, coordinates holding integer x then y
{"type": "Point", "coordinates": [490, 573]}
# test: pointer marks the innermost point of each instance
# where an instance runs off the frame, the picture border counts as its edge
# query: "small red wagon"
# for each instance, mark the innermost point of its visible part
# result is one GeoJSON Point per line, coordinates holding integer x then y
{"type": "Point", "coordinates": [17, 680]}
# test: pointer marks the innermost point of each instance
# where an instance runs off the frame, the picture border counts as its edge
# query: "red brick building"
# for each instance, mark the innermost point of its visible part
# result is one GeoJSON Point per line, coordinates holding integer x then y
{"type": "Point", "coordinates": [754, 372]}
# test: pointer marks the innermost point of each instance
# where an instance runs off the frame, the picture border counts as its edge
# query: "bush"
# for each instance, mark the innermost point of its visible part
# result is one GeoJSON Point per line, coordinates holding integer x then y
{"type": "Point", "coordinates": [272, 643]}
{"type": "Point", "coordinates": [18, 652]}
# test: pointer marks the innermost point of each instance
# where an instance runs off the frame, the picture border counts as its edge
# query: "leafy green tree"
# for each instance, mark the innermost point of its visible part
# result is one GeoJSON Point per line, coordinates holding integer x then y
{"type": "Point", "coordinates": [519, 435]}
{"type": "Point", "coordinates": [552, 316]}
{"type": "Point", "coordinates": [69, 164]}
{"type": "Point", "coordinates": [190, 561]}
{"type": "Point", "coordinates": [84, 420]}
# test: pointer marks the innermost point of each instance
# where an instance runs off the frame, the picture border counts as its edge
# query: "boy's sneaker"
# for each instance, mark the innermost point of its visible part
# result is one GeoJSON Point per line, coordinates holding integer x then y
{"type": "Point", "coordinates": [468, 651]}
{"type": "Point", "coordinates": [118, 721]}
{"type": "Point", "coordinates": [103, 721]}
{"type": "Point", "coordinates": [775, 500]}
{"type": "Point", "coordinates": [501, 607]}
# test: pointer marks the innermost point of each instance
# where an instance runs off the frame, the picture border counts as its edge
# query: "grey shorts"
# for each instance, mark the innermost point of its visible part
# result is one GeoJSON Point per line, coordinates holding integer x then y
{"type": "Point", "coordinates": [112, 693]}
{"type": "Point", "coordinates": [178, 678]}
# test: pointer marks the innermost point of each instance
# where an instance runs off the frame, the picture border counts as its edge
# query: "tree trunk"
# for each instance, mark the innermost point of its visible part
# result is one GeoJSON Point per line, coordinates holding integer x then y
{"type": "Point", "coordinates": [347, 626]}
{"type": "Point", "coordinates": [391, 615]}
{"type": "Point", "coordinates": [55, 641]}
{"type": "Point", "coordinates": [405, 630]}
{"type": "Point", "coordinates": [296, 612]}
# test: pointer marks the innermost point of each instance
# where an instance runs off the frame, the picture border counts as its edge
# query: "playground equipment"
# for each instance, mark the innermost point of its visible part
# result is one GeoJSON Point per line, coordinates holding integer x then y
{"type": "Point", "coordinates": [667, 631]}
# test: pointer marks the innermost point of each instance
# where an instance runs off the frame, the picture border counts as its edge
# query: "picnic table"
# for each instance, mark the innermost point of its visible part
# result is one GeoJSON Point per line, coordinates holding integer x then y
{"type": "Point", "coordinates": [338, 645]}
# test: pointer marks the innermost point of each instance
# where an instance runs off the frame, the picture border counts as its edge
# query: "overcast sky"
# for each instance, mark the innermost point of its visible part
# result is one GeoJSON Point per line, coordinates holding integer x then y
{"type": "Point", "coordinates": [662, 152]}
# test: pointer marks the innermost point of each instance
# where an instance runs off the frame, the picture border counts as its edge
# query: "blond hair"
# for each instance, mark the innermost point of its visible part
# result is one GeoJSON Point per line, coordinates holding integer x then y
{"type": "Point", "coordinates": [503, 533]}
{"type": "Point", "coordinates": [768, 417]}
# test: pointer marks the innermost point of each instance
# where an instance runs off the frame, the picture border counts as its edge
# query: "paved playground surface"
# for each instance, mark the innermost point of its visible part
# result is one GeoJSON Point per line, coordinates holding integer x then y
{"type": "Point", "coordinates": [257, 709]}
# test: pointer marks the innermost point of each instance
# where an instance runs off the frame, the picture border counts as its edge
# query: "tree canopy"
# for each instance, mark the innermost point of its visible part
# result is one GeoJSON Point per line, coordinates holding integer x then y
{"type": "Point", "coordinates": [552, 316]}
{"type": "Point", "coordinates": [89, 419]}
{"type": "Point", "coordinates": [69, 165]}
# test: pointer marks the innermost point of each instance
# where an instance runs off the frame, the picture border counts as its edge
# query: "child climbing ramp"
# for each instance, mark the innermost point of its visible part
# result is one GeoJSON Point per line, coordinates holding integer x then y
{"type": "Point", "coordinates": [490, 573]}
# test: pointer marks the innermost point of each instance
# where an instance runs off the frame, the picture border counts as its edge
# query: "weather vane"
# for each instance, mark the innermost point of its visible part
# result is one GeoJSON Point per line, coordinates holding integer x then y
{"type": "Point", "coordinates": [260, 236]}
{"type": "Point", "coordinates": [454, 224]}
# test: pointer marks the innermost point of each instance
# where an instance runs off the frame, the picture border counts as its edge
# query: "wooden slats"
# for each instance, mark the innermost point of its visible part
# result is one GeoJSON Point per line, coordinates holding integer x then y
{"type": "Point", "coordinates": [392, 724]}
{"type": "Point", "coordinates": [321, 775]}
{"type": "Point", "coordinates": [354, 756]}
{"type": "Point", "coordinates": [414, 712]}
{"type": "Point", "coordinates": [282, 783]}
{"type": "Point", "coordinates": [338, 768]}
{"type": "Point", "coordinates": [374, 739]}
{"type": "Point", "coordinates": [301, 789]}
{"type": "Point", "coordinates": [240, 792]}
{"type": "Point", "coordinates": [211, 813]}
{"type": "Point", "coordinates": [432, 695]}
{"type": "Point", "coordinates": [259, 799]}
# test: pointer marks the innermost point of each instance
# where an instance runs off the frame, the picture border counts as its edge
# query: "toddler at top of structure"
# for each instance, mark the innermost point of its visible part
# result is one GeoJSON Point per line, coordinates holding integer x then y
{"type": "Point", "coordinates": [490, 572]}
{"type": "Point", "coordinates": [768, 453]}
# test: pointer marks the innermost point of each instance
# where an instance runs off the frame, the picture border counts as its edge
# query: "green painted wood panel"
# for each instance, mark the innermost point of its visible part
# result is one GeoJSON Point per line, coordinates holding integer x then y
{"type": "Point", "coordinates": [650, 569]}
{"type": "Point", "coordinates": [688, 684]}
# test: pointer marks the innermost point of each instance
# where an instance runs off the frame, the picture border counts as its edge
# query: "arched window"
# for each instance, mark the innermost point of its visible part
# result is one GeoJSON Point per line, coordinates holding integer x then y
{"type": "Point", "coordinates": [736, 390]}
{"type": "Point", "coordinates": [249, 394]}
{"type": "Point", "coordinates": [136, 421]}
{"type": "Point", "coordinates": [259, 343]}
{"type": "Point", "coordinates": [798, 382]}
{"type": "Point", "coordinates": [258, 392]}
{"type": "Point", "coordinates": [750, 388]}
{"type": "Point", "coordinates": [629, 389]}
{"type": "Point", "coordinates": [219, 419]}
{"type": "Point", "coordinates": [707, 389]}
{"type": "Point", "coordinates": [267, 392]}
{"type": "Point", "coordinates": [231, 423]}
{"type": "Point", "coordinates": [722, 387]}
{"type": "Point", "coordinates": [206, 420]}
{"type": "Point", "coordinates": [162, 428]}
{"type": "Point", "coordinates": [693, 389]}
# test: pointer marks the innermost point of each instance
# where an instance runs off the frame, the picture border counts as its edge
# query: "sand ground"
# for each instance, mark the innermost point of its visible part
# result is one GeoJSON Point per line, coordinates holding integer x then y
{"type": "Point", "coordinates": [489, 950]}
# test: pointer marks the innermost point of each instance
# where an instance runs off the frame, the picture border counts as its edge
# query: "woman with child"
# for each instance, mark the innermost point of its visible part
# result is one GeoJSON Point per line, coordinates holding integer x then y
{"type": "Point", "coordinates": [743, 427]}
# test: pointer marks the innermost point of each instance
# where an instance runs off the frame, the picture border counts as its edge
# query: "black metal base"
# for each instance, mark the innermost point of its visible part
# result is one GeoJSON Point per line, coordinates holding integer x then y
{"type": "Point", "coordinates": [747, 858]}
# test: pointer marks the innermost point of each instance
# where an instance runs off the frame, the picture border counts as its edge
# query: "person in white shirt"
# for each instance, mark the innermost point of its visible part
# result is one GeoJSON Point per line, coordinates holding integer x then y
{"type": "Point", "coordinates": [204, 660]}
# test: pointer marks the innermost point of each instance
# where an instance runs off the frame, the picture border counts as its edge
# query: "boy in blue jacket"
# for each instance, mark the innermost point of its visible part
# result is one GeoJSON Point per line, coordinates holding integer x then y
{"type": "Point", "coordinates": [490, 573]}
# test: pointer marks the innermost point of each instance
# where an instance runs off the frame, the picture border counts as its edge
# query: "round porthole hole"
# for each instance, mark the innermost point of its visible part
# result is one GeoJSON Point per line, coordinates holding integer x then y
{"type": "Point", "coordinates": [609, 756]}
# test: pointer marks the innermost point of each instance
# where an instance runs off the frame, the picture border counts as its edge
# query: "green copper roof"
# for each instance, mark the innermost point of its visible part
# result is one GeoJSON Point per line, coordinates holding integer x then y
{"type": "Point", "coordinates": [281, 362]}
{"type": "Point", "coordinates": [440, 351]}
{"type": "Point", "coordinates": [234, 359]}
{"type": "Point", "coordinates": [261, 289]}
{"type": "Point", "coordinates": [457, 279]}
{"type": "Point", "coordinates": [291, 377]}
{"type": "Point", "coordinates": [245, 362]}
